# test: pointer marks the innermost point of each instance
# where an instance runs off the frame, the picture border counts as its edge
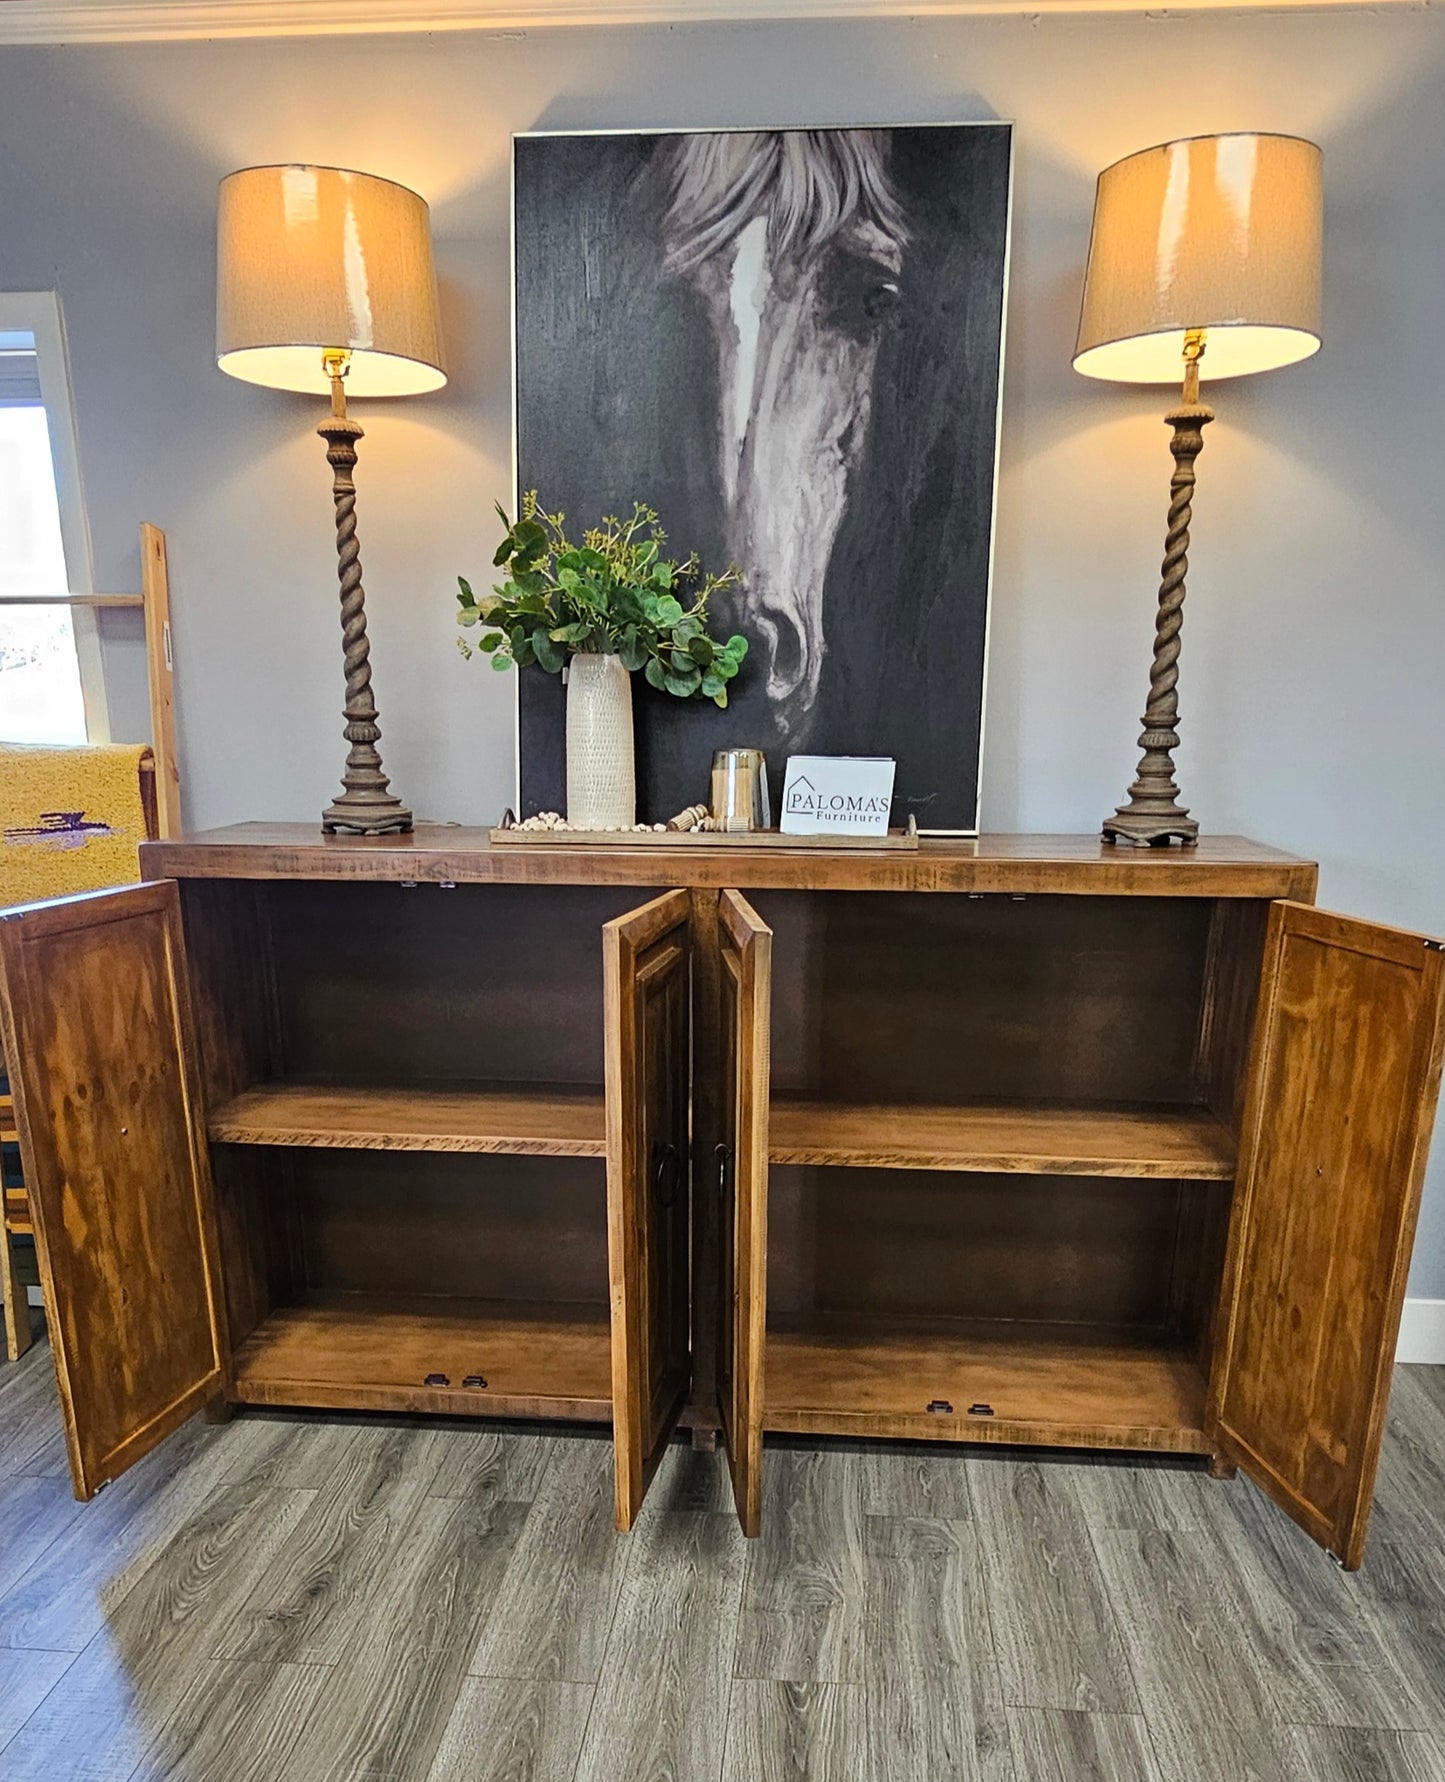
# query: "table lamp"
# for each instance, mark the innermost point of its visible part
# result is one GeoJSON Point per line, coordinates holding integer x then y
{"type": "Point", "coordinates": [1204, 263]}
{"type": "Point", "coordinates": [325, 281]}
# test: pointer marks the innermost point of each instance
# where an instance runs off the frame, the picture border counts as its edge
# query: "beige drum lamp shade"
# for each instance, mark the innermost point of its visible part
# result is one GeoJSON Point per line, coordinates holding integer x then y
{"type": "Point", "coordinates": [1216, 234]}
{"type": "Point", "coordinates": [315, 259]}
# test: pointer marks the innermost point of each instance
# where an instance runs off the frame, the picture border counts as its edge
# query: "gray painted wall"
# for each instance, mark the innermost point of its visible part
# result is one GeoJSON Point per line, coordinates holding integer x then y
{"type": "Point", "coordinates": [1314, 709]}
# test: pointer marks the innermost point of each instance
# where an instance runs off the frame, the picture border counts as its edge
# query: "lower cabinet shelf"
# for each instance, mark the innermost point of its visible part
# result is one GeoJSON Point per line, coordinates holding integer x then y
{"type": "Point", "coordinates": [394, 1353]}
{"type": "Point", "coordinates": [1063, 1139]}
{"type": "Point", "coordinates": [1054, 1387]}
{"type": "Point", "coordinates": [513, 1119]}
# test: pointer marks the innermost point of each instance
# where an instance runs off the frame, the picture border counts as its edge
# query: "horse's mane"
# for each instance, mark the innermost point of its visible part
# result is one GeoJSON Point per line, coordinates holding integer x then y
{"type": "Point", "coordinates": [809, 184]}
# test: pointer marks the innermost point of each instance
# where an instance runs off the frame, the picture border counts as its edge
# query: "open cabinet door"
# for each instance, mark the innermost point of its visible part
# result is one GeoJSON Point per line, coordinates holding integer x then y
{"type": "Point", "coordinates": [745, 944]}
{"type": "Point", "coordinates": [96, 1022]}
{"type": "Point", "coordinates": [646, 959]}
{"type": "Point", "coordinates": [1344, 1074]}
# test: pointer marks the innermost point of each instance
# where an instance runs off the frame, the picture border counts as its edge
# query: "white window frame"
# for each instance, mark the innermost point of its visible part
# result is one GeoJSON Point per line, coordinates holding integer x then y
{"type": "Point", "coordinates": [38, 313]}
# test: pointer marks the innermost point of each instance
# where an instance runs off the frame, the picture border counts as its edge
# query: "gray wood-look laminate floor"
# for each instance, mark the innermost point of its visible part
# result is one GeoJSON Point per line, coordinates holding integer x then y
{"type": "Point", "coordinates": [326, 1599]}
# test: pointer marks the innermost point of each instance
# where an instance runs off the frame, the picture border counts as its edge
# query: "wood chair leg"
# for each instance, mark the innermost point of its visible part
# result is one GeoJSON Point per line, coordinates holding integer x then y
{"type": "Point", "coordinates": [17, 1302]}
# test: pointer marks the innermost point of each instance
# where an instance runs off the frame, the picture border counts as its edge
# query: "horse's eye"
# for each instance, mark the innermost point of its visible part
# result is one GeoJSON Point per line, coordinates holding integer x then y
{"type": "Point", "coordinates": [859, 293]}
{"type": "Point", "coordinates": [880, 300]}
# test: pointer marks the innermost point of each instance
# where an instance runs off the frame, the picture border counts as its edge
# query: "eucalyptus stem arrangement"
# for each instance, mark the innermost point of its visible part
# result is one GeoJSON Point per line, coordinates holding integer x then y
{"type": "Point", "coordinates": [602, 610]}
{"type": "Point", "coordinates": [615, 594]}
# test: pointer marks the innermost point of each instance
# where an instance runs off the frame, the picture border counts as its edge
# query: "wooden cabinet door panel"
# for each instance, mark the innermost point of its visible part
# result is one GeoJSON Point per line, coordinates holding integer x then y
{"type": "Point", "coordinates": [1344, 1074]}
{"type": "Point", "coordinates": [646, 959]}
{"type": "Point", "coordinates": [745, 945]}
{"type": "Point", "coordinates": [96, 1021]}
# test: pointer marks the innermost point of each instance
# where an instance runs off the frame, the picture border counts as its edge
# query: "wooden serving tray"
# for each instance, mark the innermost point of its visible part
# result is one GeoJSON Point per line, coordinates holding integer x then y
{"type": "Point", "coordinates": [517, 837]}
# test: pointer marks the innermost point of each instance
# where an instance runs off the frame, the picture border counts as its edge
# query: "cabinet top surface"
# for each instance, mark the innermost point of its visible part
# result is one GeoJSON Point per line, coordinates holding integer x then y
{"type": "Point", "coordinates": [1219, 866]}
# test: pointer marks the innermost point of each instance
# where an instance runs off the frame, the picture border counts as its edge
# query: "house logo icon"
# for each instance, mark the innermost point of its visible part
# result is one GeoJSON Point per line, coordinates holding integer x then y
{"type": "Point", "coordinates": [802, 794]}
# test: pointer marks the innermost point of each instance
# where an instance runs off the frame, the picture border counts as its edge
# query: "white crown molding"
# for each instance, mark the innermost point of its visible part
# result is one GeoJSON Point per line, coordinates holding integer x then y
{"type": "Point", "coordinates": [160, 21]}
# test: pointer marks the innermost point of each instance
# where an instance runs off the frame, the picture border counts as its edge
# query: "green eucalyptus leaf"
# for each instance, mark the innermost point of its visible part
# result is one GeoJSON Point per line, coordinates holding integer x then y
{"type": "Point", "coordinates": [669, 610]}
{"type": "Point", "coordinates": [736, 647]}
{"type": "Point", "coordinates": [683, 685]}
{"type": "Point", "coordinates": [466, 597]}
{"type": "Point", "coordinates": [501, 662]}
{"type": "Point", "coordinates": [522, 650]}
{"type": "Point", "coordinates": [631, 650]}
{"type": "Point", "coordinates": [721, 699]}
{"type": "Point", "coordinates": [713, 684]}
{"type": "Point", "coordinates": [701, 649]}
{"type": "Point", "coordinates": [468, 616]}
{"type": "Point", "coordinates": [549, 655]}
{"type": "Point", "coordinates": [655, 674]}
{"type": "Point", "coordinates": [493, 640]}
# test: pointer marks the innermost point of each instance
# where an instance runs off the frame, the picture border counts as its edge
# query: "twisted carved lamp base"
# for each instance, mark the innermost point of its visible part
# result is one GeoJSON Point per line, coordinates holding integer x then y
{"type": "Point", "coordinates": [1152, 815]}
{"type": "Point", "coordinates": [367, 806]}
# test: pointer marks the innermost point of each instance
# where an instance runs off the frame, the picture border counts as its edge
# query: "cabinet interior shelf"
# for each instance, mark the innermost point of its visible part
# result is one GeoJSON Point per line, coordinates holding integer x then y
{"type": "Point", "coordinates": [1174, 1144]}
{"type": "Point", "coordinates": [1055, 1386]}
{"type": "Point", "coordinates": [515, 1119]}
{"type": "Point", "coordinates": [561, 1120]}
{"type": "Point", "coordinates": [383, 1352]}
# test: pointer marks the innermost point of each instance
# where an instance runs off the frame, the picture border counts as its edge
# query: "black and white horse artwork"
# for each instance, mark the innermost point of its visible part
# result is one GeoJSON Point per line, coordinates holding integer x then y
{"type": "Point", "coordinates": [789, 343]}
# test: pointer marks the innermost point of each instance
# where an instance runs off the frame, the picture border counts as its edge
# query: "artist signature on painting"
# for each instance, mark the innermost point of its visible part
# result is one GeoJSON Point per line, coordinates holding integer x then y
{"type": "Point", "coordinates": [58, 829]}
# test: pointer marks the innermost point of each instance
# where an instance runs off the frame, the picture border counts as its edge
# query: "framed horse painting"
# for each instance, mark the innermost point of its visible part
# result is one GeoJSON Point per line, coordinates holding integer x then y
{"type": "Point", "coordinates": [790, 343]}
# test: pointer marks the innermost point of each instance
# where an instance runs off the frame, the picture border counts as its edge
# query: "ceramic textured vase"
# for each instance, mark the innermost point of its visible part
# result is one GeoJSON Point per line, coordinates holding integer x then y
{"type": "Point", "coordinates": [601, 778]}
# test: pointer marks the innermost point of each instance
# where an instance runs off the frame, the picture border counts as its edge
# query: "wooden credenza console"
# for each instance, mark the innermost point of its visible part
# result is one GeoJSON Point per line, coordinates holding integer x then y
{"type": "Point", "coordinates": [1024, 1140]}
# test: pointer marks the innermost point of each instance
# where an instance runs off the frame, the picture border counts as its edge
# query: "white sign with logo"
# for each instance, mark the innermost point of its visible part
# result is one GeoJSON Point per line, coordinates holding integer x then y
{"type": "Point", "coordinates": [837, 795]}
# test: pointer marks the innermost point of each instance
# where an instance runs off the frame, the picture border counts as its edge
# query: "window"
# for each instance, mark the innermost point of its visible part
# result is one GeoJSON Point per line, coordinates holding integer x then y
{"type": "Point", "coordinates": [46, 693]}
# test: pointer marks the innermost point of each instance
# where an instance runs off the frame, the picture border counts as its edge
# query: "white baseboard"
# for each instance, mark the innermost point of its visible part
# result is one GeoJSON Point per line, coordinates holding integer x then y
{"type": "Point", "coordinates": [1422, 1332]}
